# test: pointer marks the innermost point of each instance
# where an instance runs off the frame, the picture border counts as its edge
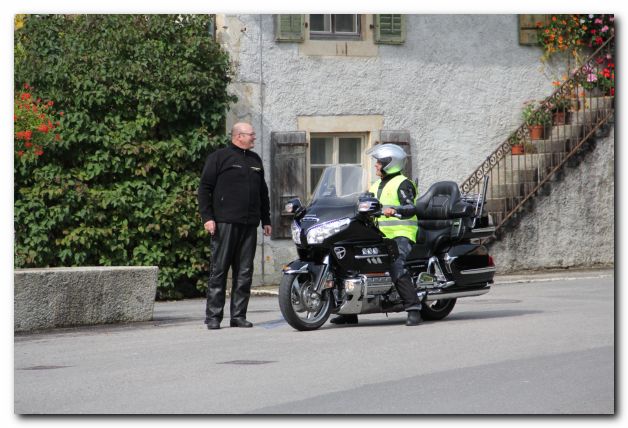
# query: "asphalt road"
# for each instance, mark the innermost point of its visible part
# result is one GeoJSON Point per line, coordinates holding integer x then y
{"type": "Point", "coordinates": [523, 348]}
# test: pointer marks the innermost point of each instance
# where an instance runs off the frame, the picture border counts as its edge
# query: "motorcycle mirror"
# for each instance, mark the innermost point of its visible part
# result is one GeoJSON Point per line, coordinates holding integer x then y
{"type": "Point", "coordinates": [293, 206]}
{"type": "Point", "coordinates": [368, 204]}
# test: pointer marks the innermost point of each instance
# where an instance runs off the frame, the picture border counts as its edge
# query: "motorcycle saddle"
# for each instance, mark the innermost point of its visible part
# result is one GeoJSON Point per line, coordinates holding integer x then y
{"type": "Point", "coordinates": [436, 210]}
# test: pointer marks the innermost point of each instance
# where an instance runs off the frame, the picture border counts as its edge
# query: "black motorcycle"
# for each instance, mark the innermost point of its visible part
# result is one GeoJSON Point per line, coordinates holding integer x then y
{"type": "Point", "coordinates": [344, 259]}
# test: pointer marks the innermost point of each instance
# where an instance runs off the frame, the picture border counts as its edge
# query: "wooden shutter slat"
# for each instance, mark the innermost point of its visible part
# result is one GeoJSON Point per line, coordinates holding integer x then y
{"type": "Point", "coordinates": [389, 29]}
{"type": "Point", "coordinates": [528, 30]}
{"type": "Point", "coordinates": [288, 172]}
{"type": "Point", "coordinates": [290, 28]}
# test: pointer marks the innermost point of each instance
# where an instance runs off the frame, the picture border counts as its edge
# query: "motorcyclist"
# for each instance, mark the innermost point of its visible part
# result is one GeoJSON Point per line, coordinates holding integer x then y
{"type": "Point", "coordinates": [394, 189]}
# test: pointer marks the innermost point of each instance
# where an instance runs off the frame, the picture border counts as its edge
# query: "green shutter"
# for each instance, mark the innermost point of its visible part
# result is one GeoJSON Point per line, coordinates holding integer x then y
{"type": "Point", "coordinates": [390, 29]}
{"type": "Point", "coordinates": [289, 28]}
{"type": "Point", "coordinates": [528, 29]}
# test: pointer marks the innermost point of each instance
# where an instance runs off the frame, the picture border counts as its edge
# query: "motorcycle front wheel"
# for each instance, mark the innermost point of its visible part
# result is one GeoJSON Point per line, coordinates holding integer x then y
{"type": "Point", "coordinates": [438, 309]}
{"type": "Point", "coordinates": [300, 305]}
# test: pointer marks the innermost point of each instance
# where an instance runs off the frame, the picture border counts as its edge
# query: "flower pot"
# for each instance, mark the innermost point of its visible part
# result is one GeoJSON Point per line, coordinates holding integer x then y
{"type": "Point", "coordinates": [574, 103]}
{"type": "Point", "coordinates": [559, 118]}
{"type": "Point", "coordinates": [593, 92]}
{"type": "Point", "coordinates": [516, 149]}
{"type": "Point", "coordinates": [537, 132]}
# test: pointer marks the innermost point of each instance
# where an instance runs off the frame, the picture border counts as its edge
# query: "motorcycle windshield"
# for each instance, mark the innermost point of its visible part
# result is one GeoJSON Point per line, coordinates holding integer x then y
{"type": "Point", "coordinates": [340, 185]}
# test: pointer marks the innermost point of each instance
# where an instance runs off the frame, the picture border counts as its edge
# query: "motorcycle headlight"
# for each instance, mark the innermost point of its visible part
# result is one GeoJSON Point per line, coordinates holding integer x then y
{"type": "Point", "coordinates": [318, 234]}
{"type": "Point", "coordinates": [296, 233]}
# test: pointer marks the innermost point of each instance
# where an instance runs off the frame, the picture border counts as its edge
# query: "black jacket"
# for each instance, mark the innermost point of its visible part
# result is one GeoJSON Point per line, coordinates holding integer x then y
{"type": "Point", "coordinates": [233, 189]}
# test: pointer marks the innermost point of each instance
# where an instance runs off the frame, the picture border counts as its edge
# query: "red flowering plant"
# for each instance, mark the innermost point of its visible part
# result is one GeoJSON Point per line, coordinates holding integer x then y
{"type": "Point", "coordinates": [598, 29]}
{"type": "Point", "coordinates": [600, 74]}
{"type": "Point", "coordinates": [35, 125]}
{"type": "Point", "coordinates": [563, 33]}
{"type": "Point", "coordinates": [575, 33]}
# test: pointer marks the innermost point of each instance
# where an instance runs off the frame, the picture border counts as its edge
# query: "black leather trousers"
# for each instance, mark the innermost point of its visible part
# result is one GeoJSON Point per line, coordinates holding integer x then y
{"type": "Point", "coordinates": [233, 246]}
{"type": "Point", "coordinates": [401, 277]}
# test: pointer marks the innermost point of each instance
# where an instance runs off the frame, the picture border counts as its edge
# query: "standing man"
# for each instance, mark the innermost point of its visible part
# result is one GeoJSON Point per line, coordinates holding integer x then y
{"type": "Point", "coordinates": [233, 199]}
{"type": "Point", "coordinates": [394, 189]}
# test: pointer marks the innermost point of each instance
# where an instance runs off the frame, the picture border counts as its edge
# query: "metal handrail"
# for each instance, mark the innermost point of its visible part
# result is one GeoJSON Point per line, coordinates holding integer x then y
{"type": "Point", "coordinates": [501, 162]}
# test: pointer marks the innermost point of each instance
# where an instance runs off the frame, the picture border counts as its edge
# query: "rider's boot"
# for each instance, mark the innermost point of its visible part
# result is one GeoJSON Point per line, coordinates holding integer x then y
{"type": "Point", "coordinates": [414, 318]}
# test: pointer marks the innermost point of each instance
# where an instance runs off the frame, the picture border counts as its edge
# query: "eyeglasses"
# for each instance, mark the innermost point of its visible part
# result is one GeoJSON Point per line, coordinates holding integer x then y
{"type": "Point", "coordinates": [247, 133]}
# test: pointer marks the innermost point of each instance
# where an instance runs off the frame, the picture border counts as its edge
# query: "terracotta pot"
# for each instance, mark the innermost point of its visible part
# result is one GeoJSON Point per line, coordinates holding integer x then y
{"type": "Point", "coordinates": [559, 118]}
{"type": "Point", "coordinates": [575, 104]}
{"type": "Point", "coordinates": [516, 149]}
{"type": "Point", "coordinates": [537, 132]}
{"type": "Point", "coordinates": [594, 92]}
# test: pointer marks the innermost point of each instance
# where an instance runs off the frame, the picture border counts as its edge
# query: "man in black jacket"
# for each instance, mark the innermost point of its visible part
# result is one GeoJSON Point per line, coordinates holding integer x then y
{"type": "Point", "coordinates": [233, 199]}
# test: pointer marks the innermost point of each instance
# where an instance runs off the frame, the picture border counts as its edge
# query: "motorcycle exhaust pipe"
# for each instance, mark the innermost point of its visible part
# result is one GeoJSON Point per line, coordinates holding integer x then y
{"type": "Point", "coordinates": [443, 296]}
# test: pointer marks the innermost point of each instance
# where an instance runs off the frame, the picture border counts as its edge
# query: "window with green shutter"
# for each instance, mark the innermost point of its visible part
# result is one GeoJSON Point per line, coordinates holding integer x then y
{"type": "Point", "coordinates": [335, 27]}
{"type": "Point", "coordinates": [390, 29]}
{"type": "Point", "coordinates": [528, 28]}
{"type": "Point", "coordinates": [289, 28]}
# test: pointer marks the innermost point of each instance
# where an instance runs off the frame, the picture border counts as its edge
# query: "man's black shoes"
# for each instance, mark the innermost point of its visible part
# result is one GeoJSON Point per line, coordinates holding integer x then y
{"type": "Point", "coordinates": [213, 324]}
{"type": "Point", "coordinates": [345, 319]}
{"type": "Point", "coordinates": [240, 322]}
{"type": "Point", "coordinates": [414, 318]}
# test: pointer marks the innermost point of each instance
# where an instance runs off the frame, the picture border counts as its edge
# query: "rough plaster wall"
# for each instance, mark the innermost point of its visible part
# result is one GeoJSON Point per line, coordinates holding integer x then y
{"type": "Point", "coordinates": [459, 93]}
{"type": "Point", "coordinates": [573, 226]}
{"type": "Point", "coordinates": [457, 85]}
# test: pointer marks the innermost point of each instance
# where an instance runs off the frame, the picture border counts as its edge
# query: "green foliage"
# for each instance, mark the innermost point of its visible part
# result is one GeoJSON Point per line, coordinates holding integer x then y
{"type": "Point", "coordinates": [144, 99]}
{"type": "Point", "coordinates": [534, 113]}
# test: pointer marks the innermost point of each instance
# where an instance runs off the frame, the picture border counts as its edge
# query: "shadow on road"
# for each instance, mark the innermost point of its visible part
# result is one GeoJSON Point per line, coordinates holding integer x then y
{"type": "Point", "coordinates": [399, 318]}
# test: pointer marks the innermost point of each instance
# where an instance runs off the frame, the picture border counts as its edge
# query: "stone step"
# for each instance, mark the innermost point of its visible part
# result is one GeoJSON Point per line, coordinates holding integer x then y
{"type": "Point", "coordinates": [597, 102]}
{"type": "Point", "coordinates": [532, 160]}
{"type": "Point", "coordinates": [551, 146]}
{"type": "Point", "coordinates": [587, 118]}
{"type": "Point", "coordinates": [525, 167]}
{"type": "Point", "coordinates": [510, 190]}
{"type": "Point", "coordinates": [503, 205]}
{"type": "Point", "coordinates": [511, 174]}
{"type": "Point", "coordinates": [547, 161]}
{"type": "Point", "coordinates": [565, 132]}
{"type": "Point", "coordinates": [497, 217]}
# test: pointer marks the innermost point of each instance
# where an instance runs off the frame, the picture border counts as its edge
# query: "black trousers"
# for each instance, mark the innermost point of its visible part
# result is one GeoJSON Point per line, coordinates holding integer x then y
{"type": "Point", "coordinates": [401, 277]}
{"type": "Point", "coordinates": [233, 246]}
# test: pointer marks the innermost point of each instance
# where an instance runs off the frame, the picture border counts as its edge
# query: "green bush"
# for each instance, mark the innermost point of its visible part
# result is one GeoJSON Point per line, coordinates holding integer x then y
{"type": "Point", "coordinates": [143, 100]}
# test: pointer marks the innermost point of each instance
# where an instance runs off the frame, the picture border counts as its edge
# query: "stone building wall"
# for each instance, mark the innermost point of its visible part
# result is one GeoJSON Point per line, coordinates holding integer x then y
{"type": "Point", "coordinates": [457, 85]}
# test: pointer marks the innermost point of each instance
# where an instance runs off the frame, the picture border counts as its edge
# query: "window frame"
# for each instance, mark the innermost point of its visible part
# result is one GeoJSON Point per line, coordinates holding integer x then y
{"type": "Point", "coordinates": [337, 35]}
{"type": "Point", "coordinates": [336, 136]}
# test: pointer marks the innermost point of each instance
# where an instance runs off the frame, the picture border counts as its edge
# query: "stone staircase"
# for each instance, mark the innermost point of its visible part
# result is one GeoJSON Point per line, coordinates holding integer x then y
{"type": "Point", "coordinates": [515, 179]}
{"type": "Point", "coordinates": [588, 108]}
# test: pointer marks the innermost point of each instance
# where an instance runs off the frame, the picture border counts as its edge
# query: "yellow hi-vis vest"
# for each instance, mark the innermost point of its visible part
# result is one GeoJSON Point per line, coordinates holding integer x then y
{"type": "Point", "coordinates": [393, 226]}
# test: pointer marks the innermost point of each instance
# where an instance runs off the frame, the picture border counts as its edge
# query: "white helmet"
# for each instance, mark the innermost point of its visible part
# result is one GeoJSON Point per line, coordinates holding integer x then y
{"type": "Point", "coordinates": [391, 156]}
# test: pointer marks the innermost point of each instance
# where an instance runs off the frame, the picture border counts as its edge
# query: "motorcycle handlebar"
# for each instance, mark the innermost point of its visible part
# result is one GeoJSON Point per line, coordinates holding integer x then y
{"type": "Point", "coordinates": [380, 214]}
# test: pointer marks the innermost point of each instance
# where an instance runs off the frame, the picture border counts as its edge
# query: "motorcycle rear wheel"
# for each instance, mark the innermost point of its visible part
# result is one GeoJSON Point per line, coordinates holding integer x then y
{"type": "Point", "coordinates": [438, 309]}
{"type": "Point", "coordinates": [300, 306]}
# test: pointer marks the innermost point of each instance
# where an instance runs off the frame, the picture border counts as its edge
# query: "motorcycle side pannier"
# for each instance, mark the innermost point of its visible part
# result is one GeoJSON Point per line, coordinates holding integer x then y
{"type": "Point", "coordinates": [470, 264]}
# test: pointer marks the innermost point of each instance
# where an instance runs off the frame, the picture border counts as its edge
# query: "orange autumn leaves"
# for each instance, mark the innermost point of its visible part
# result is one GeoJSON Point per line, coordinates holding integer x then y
{"type": "Point", "coordinates": [36, 124]}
